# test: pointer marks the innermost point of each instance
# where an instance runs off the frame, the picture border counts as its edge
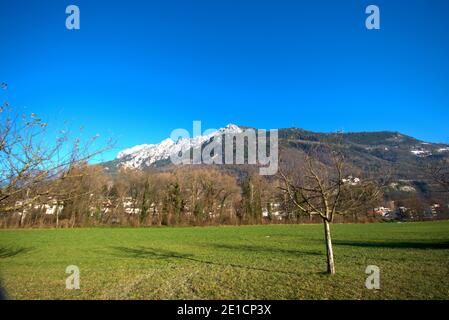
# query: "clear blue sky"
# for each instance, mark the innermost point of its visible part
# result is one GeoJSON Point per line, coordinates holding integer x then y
{"type": "Point", "coordinates": [139, 69]}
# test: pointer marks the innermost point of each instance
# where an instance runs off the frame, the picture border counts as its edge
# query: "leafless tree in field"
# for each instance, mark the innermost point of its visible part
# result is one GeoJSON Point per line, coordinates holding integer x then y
{"type": "Point", "coordinates": [30, 157]}
{"type": "Point", "coordinates": [319, 185]}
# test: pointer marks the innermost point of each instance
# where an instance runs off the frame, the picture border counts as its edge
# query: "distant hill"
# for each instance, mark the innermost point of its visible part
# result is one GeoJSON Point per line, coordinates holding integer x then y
{"type": "Point", "coordinates": [379, 153]}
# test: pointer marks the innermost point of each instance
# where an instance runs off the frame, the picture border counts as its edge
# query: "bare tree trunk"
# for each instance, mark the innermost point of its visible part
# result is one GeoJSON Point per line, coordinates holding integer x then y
{"type": "Point", "coordinates": [22, 219]}
{"type": "Point", "coordinates": [329, 251]}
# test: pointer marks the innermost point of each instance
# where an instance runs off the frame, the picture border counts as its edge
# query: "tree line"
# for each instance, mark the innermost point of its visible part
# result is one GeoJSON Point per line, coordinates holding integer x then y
{"type": "Point", "coordinates": [86, 195]}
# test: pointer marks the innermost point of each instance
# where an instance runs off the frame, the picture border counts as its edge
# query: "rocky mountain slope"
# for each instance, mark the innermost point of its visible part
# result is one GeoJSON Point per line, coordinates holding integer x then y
{"type": "Point", "coordinates": [374, 152]}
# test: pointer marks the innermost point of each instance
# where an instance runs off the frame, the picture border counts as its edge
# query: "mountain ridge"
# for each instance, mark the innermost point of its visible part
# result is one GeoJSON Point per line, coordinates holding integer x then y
{"type": "Point", "coordinates": [377, 143]}
{"type": "Point", "coordinates": [374, 152]}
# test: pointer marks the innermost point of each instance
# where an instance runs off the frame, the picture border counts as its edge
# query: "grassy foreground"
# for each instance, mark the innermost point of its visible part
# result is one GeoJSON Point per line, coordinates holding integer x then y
{"type": "Point", "coordinates": [248, 262]}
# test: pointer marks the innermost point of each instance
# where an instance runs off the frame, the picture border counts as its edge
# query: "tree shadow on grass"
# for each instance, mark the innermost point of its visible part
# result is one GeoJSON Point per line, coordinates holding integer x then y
{"type": "Point", "coordinates": [266, 249]}
{"type": "Point", "coordinates": [161, 254]}
{"type": "Point", "coordinates": [150, 253]}
{"type": "Point", "coordinates": [6, 252]}
{"type": "Point", "coordinates": [394, 244]}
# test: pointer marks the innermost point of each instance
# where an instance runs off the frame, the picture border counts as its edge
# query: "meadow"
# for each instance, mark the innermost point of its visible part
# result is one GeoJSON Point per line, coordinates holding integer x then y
{"type": "Point", "coordinates": [244, 262]}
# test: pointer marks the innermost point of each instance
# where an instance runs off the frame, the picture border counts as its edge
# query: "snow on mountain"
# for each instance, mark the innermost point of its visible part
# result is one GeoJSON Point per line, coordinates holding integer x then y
{"type": "Point", "coordinates": [146, 154]}
{"type": "Point", "coordinates": [133, 150]}
{"type": "Point", "coordinates": [421, 153]}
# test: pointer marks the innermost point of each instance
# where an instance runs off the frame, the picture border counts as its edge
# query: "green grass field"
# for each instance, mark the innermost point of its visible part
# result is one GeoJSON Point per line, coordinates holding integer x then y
{"type": "Point", "coordinates": [247, 262]}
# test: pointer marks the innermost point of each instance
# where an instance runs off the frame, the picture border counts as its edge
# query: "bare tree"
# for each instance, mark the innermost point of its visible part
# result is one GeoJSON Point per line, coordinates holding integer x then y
{"type": "Point", "coordinates": [439, 173]}
{"type": "Point", "coordinates": [30, 158]}
{"type": "Point", "coordinates": [321, 185]}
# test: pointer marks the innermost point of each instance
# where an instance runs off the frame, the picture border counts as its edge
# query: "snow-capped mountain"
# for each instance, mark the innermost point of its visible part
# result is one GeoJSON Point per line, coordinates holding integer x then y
{"type": "Point", "coordinates": [145, 155]}
{"type": "Point", "coordinates": [374, 152]}
{"type": "Point", "coordinates": [384, 151]}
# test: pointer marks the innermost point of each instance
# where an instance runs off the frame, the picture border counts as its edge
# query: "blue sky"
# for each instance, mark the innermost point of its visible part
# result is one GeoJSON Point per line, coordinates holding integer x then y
{"type": "Point", "coordinates": [136, 70]}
